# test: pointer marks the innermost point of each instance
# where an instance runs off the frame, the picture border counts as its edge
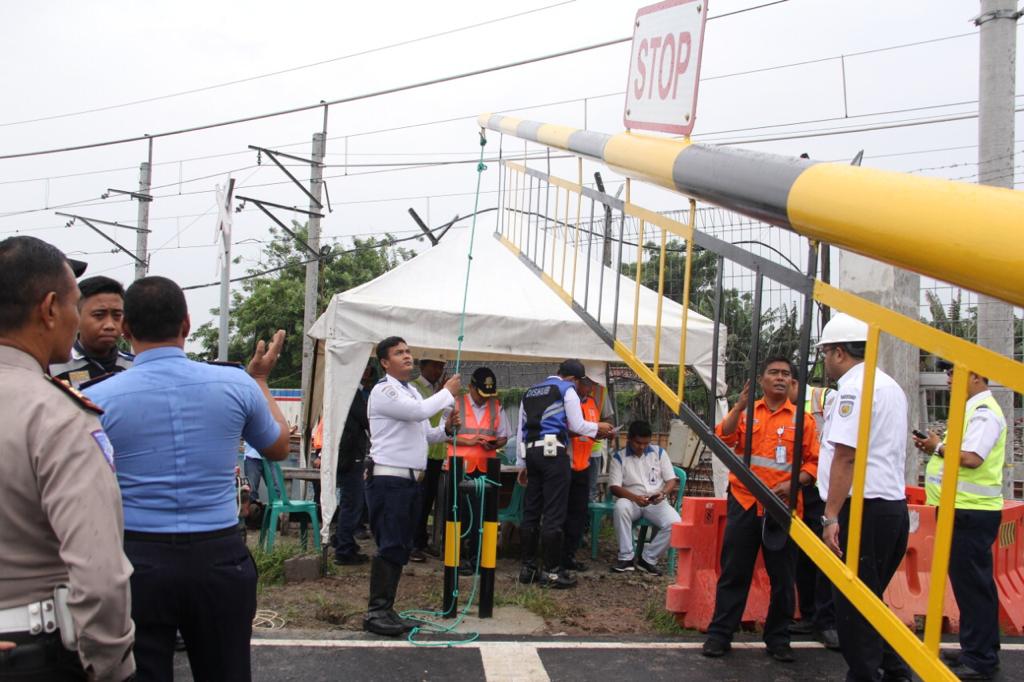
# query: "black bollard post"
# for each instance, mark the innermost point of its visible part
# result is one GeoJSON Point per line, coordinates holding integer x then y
{"type": "Point", "coordinates": [452, 539]}
{"type": "Point", "coordinates": [489, 541]}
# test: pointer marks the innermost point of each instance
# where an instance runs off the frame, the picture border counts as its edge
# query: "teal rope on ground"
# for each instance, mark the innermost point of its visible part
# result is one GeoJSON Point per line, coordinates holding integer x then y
{"type": "Point", "coordinates": [480, 483]}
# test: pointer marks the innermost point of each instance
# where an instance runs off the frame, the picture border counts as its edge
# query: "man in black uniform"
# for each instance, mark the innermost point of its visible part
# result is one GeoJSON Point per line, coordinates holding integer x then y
{"type": "Point", "coordinates": [353, 448]}
{"type": "Point", "coordinates": [95, 352]}
{"type": "Point", "coordinates": [550, 411]}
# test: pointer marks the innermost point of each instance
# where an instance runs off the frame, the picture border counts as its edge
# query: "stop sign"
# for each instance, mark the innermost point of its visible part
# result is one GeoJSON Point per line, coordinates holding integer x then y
{"type": "Point", "coordinates": [664, 68]}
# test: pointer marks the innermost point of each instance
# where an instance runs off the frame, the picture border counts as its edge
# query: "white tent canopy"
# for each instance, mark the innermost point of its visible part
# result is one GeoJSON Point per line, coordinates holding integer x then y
{"type": "Point", "coordinates": [511, 314]}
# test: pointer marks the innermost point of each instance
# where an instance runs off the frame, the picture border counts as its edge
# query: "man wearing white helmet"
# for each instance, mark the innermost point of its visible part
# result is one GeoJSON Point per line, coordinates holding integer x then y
{"type": "Point", "coordinates": [885, 522]}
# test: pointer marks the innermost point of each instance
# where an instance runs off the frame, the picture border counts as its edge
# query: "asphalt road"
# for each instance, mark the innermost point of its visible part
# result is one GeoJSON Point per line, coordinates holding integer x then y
{"type": "Point", "coordinates": [559, 659]}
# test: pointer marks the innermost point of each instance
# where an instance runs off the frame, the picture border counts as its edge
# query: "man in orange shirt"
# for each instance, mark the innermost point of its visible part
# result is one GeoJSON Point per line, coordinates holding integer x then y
{"type": "Point", "coordinates": [771, 460]}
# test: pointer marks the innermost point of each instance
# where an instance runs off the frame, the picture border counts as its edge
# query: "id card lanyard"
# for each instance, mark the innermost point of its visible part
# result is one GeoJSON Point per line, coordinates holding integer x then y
{"type": "Point", "coordinates": [780, 449]}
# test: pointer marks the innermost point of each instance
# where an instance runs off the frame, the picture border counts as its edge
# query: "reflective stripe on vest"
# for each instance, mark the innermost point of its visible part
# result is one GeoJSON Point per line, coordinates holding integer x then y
{"type": "Point", "coordinates": [770, 463]}
{"type": "Point", "coordinates": [980, 488]}
{"type": "Point", "coordinates": [968, 487]}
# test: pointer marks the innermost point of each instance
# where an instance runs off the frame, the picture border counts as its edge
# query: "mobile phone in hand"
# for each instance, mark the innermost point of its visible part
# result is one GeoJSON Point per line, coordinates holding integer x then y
{"type": "Point", "coordinates": [918, 433]}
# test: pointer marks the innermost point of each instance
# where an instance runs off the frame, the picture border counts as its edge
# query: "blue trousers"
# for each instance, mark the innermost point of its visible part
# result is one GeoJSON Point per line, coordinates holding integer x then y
{"type": "Point", "coordinates": [350, 510]}
{"type": "Point", "coordinates": [394, 504]}
{"type": "Point", "coordinates": [970, 572]}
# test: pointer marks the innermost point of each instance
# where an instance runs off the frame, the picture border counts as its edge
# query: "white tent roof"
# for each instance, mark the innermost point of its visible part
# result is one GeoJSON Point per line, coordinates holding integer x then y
{"type": "Point", "coordinates": [511, 314]}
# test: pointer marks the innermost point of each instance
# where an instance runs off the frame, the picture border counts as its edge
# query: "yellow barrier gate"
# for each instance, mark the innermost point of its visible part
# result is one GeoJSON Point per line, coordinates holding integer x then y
{"type": "Point", "coordinates": [551, 240]}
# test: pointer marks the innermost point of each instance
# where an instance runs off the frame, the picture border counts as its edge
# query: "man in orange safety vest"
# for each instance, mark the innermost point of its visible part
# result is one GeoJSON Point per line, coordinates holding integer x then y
{"type": "Point", "coordinates": [485, 429]}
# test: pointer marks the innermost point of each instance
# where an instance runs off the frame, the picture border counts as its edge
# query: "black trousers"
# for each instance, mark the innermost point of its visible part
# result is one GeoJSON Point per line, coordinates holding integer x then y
{"type": "Point", "coordinates": [547, 490]}
{"type": "Point", "coordinates": [577, 513]}
{"type": "Point", "coordinates": [350, 509]}
{"type": "Point", "coordinates": [429, 487]}
{"type": "Point", "coordinates": [883, 542]}
{"type": "Point", "coordinates": [813, 589]}
{"type": "Point", "coordinates": [394, 503]}
{"type": "Point", "coordinates": [205, 589]}
{"type": "Point", "coordinates": [39, 658]}
{"type": "Point", "coordinates": [970, 572]}
{"type": "Point", "coordinates": [742, 541]}
{"type": "Point", "coordinates": [545, 505]}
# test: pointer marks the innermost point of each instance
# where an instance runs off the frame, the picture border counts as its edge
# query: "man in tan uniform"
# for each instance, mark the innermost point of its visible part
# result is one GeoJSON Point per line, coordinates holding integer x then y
{"type": "Point", "coordinates": [61, 520]}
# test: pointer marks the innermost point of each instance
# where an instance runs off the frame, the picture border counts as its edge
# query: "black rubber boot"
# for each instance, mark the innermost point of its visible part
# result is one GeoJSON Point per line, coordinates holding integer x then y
{"type": "Point", "coordinates": [383, 586]}
{"type": "Point", "coordinates": [394, 576]}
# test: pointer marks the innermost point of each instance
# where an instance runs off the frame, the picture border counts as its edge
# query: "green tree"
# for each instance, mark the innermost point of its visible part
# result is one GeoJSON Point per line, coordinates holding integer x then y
{"type": "Point", "coordinates": [276, 299]}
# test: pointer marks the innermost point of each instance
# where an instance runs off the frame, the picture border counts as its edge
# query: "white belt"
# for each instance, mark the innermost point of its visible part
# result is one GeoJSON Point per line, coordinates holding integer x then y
{"type": "Point", "coordinates": [540, 444]}
{"type": "Point", "coordinates": [401, 472]}
{"type": "Point", "coordinates": [35, 618]}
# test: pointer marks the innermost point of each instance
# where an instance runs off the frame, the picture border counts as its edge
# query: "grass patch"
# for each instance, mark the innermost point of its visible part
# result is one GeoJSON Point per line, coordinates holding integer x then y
{"type": "Point", "coordinates": [533, 599]}
{"type": "Point", "coordinates": [662, 621]}
{"type": "Point", "coordinates": [270, 565]}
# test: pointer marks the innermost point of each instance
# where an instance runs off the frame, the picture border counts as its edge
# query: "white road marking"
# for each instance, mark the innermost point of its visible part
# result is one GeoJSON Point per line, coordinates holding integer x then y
{"type": "Point", "coordinates": [549, 644]}
{"type": "Point", "coordinates": [512, 662]}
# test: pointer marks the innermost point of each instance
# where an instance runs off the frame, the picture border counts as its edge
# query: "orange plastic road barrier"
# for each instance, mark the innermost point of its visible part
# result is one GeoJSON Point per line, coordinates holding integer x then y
{"type": "Point", "coordinates": [1009, 568]}
{"type": "Point", "coordinates": [698, 543]}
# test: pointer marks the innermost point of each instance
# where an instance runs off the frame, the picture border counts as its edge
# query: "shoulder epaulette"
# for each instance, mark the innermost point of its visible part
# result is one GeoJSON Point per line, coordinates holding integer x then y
{"type": "Point", "coordinates": [226, 363]}
{"type": "Point", "coordinates": [382, 380]}
{"type": "Point", "coordinates": [93, 382]}
{"type": "Point", "coordinates": [983, 407]}
{"type": "Point", "coordinates": [75, 394]}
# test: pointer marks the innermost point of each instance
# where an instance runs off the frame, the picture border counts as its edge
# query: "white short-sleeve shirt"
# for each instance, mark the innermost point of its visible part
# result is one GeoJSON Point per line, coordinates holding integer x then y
{"type": "Point", "coordinates": [645, 474]}
{"type": "Point", "coordinates": [983, 429]}
{"type": "Point", "coordinates": [887, 444]}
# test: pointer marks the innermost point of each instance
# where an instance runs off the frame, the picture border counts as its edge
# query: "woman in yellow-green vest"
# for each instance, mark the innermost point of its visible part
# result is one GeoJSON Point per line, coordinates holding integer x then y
{"type": "Point", "coordinates": [979, 505]}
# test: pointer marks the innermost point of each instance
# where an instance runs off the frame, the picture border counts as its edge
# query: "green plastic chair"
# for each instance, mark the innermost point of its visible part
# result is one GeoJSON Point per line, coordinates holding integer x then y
{"type": "Point", "coordinates": [278, 503]}
{"type": "Point", "coordinates": [513, 512]}
{"type": "Point", "coordinates": [599, 510]}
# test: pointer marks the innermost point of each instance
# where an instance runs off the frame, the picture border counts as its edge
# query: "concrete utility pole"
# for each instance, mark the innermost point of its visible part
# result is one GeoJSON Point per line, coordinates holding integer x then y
{"type": "Point", "coordinates": [225, 273]}
{"type": "Point", "coordinates": [996, 91]}
{"type": "Point", "coordinates": [312, 273]}
{"type": "Point", "coordinates": [142, 236]}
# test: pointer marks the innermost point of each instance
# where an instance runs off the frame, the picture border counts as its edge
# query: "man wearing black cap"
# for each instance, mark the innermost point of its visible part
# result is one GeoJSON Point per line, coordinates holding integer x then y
{"type": "Point", "coordinates": [485, 428]}
{"type": "Point", "coordinates": [549, 413]}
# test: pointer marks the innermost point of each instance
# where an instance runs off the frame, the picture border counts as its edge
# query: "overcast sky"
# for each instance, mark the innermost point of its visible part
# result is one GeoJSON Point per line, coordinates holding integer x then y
{"type": "Point", "coordinates": [63, 57]}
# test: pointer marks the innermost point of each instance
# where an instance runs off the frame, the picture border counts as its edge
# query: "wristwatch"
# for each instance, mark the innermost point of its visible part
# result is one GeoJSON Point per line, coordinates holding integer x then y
{"type": "Point", "coordinates": [826, 522]}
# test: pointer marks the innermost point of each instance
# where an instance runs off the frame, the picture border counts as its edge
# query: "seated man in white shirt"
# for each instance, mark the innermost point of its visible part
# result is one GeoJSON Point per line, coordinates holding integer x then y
{"type": "Point", "coordinates": [641, 478]}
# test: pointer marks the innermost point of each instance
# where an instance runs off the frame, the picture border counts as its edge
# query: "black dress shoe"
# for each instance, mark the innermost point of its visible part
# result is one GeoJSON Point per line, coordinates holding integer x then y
{"type": "Point", "coordinates": [801, 627]}
{"type": "Point", "coordinates": [950, 657]}
{"type": "Point", "coordinates": [527, 574]}
{"type": "Point", "coordinates": [781, 652]}
{"type": "Point", "coordinates": [715, 648]}
{"type": "Point", "coordinates": [351, 559]}
{"type": "Point", "coordinates": [830, 638]}
{"type": "Point", "coordinates": [966, 672]}
{"type": "Point", "coordinates": [380, 623]}
{"type": "Point", "coordinates": [559, 579]}
{"type": "Point", "coordinates": [407, 623]}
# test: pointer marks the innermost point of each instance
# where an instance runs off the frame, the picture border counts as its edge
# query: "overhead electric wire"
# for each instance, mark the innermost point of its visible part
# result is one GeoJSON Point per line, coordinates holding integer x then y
{"type": "Point", "coordinates": [342, 100]}
{"type": "Point", "coordinates": [279, 72]}
{"type": "Point", "coordinates": [540, 105]}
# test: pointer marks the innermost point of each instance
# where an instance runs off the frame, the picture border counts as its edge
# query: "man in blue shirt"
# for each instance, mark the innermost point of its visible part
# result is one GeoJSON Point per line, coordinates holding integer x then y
{"type": "Point", "coordinates": [175, 424]}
